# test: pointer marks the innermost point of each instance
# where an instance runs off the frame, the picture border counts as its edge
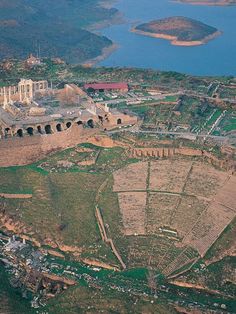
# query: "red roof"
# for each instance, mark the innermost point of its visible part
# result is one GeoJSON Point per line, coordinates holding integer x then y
{"type": "Point", "coordinates": [107, 86]}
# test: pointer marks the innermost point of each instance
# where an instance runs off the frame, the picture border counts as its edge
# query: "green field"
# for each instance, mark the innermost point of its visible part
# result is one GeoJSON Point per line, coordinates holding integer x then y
{"type": "Point", "coordinates": [63, 204]}
{"type": "Point", "coordinates": [62, 210]}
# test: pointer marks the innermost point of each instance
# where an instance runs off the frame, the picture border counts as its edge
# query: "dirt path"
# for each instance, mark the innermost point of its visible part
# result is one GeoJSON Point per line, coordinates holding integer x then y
{"type": "Point", "coordinates": [15, 196]}
{"type": "Point", "coordinates": [105, 238]}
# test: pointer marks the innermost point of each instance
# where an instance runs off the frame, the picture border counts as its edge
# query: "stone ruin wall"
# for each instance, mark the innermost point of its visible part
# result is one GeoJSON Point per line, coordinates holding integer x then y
{"type": "Point", "coordinates": [17, 151]}
{"type": "Point", "coordinates": [184, 151]}
{"type": "Point", "coordinates": [22, 151]}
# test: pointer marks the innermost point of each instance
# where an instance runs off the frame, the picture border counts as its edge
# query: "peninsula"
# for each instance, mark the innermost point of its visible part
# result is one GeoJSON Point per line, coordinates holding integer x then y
{"type": "Point", "coordinates": [209, 2]}
{"type": "Point", "coordinates": [181, 31]}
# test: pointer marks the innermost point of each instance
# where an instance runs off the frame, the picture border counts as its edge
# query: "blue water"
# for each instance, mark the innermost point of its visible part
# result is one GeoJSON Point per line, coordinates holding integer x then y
{"type": "Point", "coordinates": [217, 57]}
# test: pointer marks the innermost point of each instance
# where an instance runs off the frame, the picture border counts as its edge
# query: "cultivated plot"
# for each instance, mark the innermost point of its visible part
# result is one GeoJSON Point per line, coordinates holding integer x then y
{"type": "Point", "coordinates": [169, 175]}
{"type": "Point", "coordinates": [204, 180]}
{"type": "Point", "coordinates": [160, 210]}
{"type": "Point", "coordinates": [133, 210]}
{"type": "Point", "coordinates": [214, 219]}
{"type": "Point", "coordinates": [131, 178]}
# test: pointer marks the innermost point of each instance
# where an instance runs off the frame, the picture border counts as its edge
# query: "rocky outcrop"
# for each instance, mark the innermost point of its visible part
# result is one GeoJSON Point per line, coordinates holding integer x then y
{"type": "Point", "coordinates": [96, 263]}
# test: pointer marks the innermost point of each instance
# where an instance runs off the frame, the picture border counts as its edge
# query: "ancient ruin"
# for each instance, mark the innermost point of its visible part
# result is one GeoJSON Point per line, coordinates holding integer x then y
{"type": "Point", "coordinates": [36, 109]}
{"type": "Point", "coordinates": [185, 203]}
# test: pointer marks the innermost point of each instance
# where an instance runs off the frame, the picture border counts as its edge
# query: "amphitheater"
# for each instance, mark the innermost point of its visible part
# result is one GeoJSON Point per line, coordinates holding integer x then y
{"type": "Point", "coordinates": [173, 210]}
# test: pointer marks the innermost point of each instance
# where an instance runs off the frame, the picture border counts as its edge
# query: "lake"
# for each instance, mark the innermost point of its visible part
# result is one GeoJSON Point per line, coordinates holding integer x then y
{"type": "Point", "coordinates": [217, 57]}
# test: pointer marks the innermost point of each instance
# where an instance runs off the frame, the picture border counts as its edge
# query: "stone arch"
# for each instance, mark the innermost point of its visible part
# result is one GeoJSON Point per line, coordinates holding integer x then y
{"type": "Point", "coordinates": [90, 123]}
{"type": "Point", "coordinates": [30, 131]}
{"type": "Point", "coordinates": [119, 121]}
{"type": "Point", "coordinates": [7, 131]}
{"type": "Point", "coordinates": [79, 123]}
{"type": "Point", "coordinates": [19, 132]}
{"type": "Point", "coordinates": [48, 129]}
{"type": "Point", "coordinates": [39, 129]}
{"type": "Point", "coordinates": [68, 124]}
{"type": "Point", "coordinates": [59, 127]}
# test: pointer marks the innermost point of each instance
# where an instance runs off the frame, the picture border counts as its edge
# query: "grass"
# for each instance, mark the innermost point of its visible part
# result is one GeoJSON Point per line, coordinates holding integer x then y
{"type": "Point", "coordinates": [63, 204]}
{"type": "Point", "coordinates": [59, 199]}
{"type": "Point", "coordinates": [213, 119]}
{"type": "Point", "coordinates": [62, 209]}
{"type": "Point", "coordinates": [224, 242]}
{"type": "Point", "coordinates": [11, 300]}
{"type": "Point", "coordinates": [81, 299]}
{"type": "Point", "coordinates": [170, 98]}
{"type": "Point", "coordinates": [230, 124]}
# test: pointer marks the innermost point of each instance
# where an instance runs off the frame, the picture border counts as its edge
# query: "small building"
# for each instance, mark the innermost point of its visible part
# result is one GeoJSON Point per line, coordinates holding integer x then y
{"type": "Point", "coordinates": [32, 61]}
{"type": "Point", "coordinates": [102, 87]}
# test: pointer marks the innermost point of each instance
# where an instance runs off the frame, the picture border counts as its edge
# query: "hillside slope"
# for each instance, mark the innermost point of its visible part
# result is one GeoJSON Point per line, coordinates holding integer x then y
{"type": "Point", "coordinates": [59, 27]}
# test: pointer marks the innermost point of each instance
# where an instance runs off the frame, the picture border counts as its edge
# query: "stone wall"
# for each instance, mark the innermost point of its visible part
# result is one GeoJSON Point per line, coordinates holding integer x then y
{"type": "Point", "coordinates": [161, 152]}
{"type": "Point", "coordinates": [22, 151]}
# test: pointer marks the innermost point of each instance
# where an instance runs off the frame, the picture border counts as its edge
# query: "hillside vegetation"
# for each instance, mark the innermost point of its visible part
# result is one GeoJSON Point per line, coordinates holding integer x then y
{"type": "Point", "coordinates": [58, 27]}
{"type": "Point", "coordinates": [180, 28]}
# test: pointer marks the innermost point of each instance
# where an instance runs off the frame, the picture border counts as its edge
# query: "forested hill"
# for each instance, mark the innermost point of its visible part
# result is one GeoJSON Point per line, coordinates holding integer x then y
{"type": "Point", "coordinates": [59, 26]}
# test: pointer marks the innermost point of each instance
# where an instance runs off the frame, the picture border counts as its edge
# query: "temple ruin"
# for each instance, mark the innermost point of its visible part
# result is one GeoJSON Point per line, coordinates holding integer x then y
{"type": "Point", "coordinates": [33, 108]}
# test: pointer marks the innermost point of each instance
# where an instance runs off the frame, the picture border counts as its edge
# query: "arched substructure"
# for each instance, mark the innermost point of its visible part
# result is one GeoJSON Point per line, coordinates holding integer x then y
{"type": "Point", "coordinates": [48, 129]}
{"type": "Point", "coordinates": [59, 127]}
{"type": "Point", "coordinates": [7, 132]}
{"type": "Point", "coordinates": [90, 123]}
{"type": "Point", "coordinates": [80, 123]}
{"type": "Point", "coordinates": [19, 133]}
{"type": "Point", "coordinates": [119, 121]}
{"type": "Point", "coordinates": [68, 124]}
{"type": "Point", "coordinates": [39, 129]}
{"type": "Point", "coordinates": [30, 131]}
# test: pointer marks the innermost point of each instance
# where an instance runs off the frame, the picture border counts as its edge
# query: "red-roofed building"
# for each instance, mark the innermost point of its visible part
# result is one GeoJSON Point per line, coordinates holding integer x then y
{"type": "Point", "coordinates": [101, 87]}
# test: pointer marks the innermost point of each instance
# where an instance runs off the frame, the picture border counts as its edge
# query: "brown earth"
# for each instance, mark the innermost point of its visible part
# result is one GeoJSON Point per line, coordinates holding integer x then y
{"type": "Point", "coordinates": [133, 210]}
{"type": "Point", "coordinates": [188, 202]}
{"type": "Point", "coordinates": [96, 263]}
{"type": "Point", "coordinates": [35, 147]}
{"type": "Point", "coordinates": [15, 196]}
{"type": "Point", "coordinates": [214, 219]}
{"type": "Point", "coordinates": [169, 175]}
{"type": "Point", "coordinates": [131, 178]}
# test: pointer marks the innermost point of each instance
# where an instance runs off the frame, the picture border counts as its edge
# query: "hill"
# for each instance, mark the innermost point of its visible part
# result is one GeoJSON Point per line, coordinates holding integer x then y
{"type": "Point", "coordinates": [59, 27]}
{"type": "Point", "coordinates": [181, 31]}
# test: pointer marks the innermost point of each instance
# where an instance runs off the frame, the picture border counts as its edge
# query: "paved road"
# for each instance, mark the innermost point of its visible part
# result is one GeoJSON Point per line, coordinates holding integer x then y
{"type": "Point", "coordinates": [140, 98]}
{"type": "Point", "coordinates": [135, 129]}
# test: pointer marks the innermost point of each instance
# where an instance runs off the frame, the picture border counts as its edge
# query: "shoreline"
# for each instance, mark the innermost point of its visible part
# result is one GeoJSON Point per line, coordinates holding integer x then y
{"type": "Point", "coordinates": [117, 19]}
{"type": "Point", "coordinates": [174, 39]}
{"type": "Point", "coordinates": [106, 52]}
{"type": "Point", "coordinates": [224, 3]}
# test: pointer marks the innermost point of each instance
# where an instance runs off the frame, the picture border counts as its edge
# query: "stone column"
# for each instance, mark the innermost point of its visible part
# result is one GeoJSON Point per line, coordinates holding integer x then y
{"type": "Point", "coordinates": [5, 98]}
